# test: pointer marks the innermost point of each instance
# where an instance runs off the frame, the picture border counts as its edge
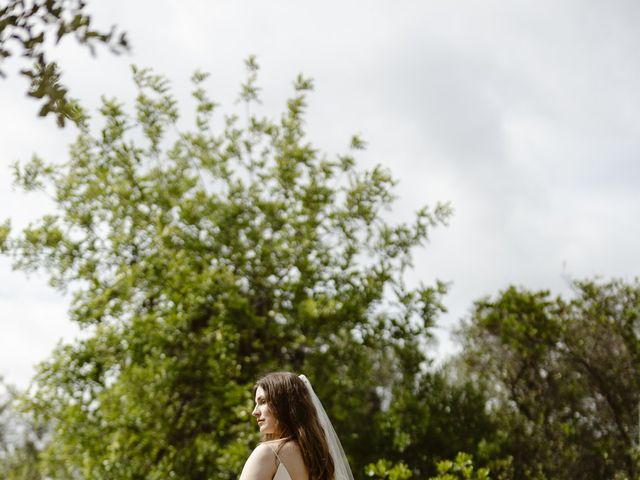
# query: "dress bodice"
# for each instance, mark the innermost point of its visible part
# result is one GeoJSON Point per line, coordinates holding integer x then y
{"type": "Point", "coordinates": [282, 473]}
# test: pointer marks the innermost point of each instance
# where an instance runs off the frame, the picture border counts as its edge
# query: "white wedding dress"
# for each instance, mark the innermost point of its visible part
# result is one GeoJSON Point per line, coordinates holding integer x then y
{"type": "Point", "coordinates": [281, 473]}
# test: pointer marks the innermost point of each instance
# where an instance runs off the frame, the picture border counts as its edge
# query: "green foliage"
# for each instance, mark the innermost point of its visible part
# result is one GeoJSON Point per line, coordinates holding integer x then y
{"type": "Point", "coordinates": [5, 230]}
{"type": "Point", "coordinates": [200, 259]}
{"type": "Point", "coordinates": [562, 377]}
{"type": "Point", "coordinates": [385, 470]}
{"type": "Point", "coordinates": [29, 26]}
{"type": "Point", "coordinates": [20, 439]}
{"type": "Point", "coordinates": [437, 419]}
{"type": "Point", "coordinates": [460, 469]}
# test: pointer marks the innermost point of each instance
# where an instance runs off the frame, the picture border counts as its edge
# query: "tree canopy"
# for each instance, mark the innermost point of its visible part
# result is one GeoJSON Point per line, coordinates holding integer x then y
{"type": "Point", "coordinates": [562, 376]}
{"type": "Point", "coordinates": [201, 258]}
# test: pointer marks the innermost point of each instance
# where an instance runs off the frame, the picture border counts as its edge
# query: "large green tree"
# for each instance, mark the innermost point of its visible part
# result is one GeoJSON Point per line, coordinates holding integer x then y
{"type": "Point", "coordinates": [27, 26]}
{"type": "Point", "coordinates": [562, 377]}
{"type": "Point", "coordinates": [200, 258]}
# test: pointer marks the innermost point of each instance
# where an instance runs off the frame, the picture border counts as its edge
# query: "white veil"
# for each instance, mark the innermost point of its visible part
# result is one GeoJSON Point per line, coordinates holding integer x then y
{"type": "Point", "coordinates": [342, 470]}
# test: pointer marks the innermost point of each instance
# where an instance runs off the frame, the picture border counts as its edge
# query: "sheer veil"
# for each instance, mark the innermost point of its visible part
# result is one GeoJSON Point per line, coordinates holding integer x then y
{"type": "Point", "coordinates": [342, 470]}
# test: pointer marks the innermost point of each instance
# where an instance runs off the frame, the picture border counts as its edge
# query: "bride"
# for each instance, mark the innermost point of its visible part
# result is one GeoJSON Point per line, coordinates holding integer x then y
{"type": "Point", "coordinates": [299, 442]}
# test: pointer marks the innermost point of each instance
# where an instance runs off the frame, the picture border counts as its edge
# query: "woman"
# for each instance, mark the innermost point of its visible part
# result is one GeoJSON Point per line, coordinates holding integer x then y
{"type": "Point", "coordinates": [299, 442]}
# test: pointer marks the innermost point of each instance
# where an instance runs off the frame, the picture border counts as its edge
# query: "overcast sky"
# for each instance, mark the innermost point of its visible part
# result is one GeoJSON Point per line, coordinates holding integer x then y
{"type": "Point", "coordinates": [522, 114]}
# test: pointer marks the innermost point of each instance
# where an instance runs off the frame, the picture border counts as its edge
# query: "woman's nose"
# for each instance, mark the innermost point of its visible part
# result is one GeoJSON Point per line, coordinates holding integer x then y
{"type": "Point", "coordinates": [255, 411]}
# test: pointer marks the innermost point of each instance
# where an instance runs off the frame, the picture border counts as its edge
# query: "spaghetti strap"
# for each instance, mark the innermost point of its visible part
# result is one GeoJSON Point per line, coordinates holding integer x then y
{"type": "Point", "coordinates": [281, 470]}
{"type": "Point", "coordinates": [275, 452]}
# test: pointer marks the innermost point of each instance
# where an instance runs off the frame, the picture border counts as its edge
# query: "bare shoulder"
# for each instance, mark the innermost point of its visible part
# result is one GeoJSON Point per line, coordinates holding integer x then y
{"type": "Point", "coordinates": [283, 447]}
{"type": "Point", "coordinates": [291, 456]}
{"type": "Point", "coordinates": [260, 465]}
{"type": "Point", "coordinates": [291, 447]}
{"type": "Point", "coordinates": [288, 452]}
{"type": "Point", "coordinates": [263, 451]}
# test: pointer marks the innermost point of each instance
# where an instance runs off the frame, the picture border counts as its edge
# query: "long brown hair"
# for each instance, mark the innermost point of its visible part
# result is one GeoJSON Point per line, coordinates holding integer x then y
{"type": "Point", "coordinates": [291, 405]}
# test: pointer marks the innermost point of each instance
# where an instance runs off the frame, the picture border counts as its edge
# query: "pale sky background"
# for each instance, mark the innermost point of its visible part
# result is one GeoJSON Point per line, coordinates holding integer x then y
{"type": "Point", "coordinates": [522, 114]}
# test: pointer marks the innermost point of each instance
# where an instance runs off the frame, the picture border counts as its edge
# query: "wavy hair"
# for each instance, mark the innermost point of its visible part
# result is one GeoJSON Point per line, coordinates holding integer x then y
{"type": "Point", "coordinates": [291, 405]}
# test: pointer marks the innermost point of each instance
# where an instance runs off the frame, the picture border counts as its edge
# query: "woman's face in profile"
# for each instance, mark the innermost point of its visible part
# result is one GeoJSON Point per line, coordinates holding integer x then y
{"type": "Point", "coordinates": [267, 422]}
